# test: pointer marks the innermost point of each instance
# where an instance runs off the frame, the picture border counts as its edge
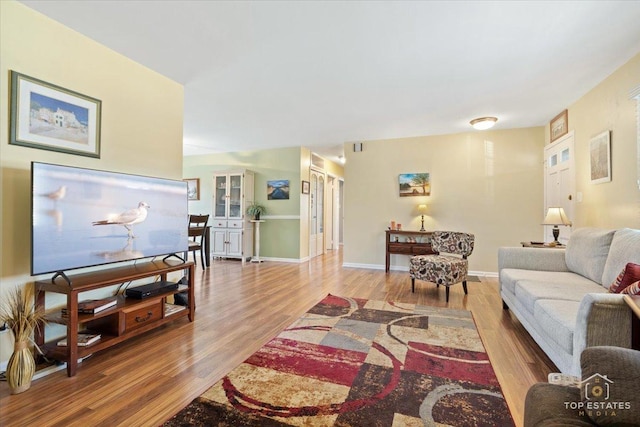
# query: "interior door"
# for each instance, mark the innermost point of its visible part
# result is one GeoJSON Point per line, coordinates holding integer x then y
{"type": "Point", "coordinates": [560, 182]}
{"type": "Point", "coordinates": [316, 214]}
{"type": "Point", "coordinates": [313, 196]}
{"type": "Point", "coordinates": [320, 215]}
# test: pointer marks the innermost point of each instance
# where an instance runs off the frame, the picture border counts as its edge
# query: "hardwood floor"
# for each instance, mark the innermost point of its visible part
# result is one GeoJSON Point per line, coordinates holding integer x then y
{"type": "Point", "coordinates": [146, 380]}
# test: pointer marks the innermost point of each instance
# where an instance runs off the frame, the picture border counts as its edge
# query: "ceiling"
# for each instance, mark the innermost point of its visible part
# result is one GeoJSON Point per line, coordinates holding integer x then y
{"type": "Point", "coordinates": [263, 74]}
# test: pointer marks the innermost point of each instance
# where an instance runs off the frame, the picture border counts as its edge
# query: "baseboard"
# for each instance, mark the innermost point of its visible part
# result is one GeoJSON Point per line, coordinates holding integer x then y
{"type": "Point", "coordinates": [406, 269]}
{"type": "Point", "coordinates": [290, 260]}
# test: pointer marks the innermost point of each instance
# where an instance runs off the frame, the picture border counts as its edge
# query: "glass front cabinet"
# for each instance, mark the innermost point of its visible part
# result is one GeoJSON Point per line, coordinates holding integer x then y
{"type": "Point", "coordinates": [231, 229]}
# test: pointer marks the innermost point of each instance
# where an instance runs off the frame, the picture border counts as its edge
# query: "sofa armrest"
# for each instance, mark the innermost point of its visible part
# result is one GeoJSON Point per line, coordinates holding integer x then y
{"type": "Point", "coordinates": [603, 320]}
{"type": "Point", "coordinates": [532, 259]}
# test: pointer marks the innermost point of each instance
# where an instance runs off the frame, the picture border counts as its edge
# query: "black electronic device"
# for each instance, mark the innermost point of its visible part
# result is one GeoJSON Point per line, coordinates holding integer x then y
{"type": "Point", "coordinates": [151, 289]}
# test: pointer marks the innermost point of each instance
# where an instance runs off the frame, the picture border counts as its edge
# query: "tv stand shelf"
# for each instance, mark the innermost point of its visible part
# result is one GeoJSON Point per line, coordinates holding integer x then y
{"type": "Point", "coordinates": [128, 318]}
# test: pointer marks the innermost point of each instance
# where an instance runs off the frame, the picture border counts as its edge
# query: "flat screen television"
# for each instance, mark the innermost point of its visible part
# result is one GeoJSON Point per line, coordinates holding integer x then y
{"type": "Point", "coordinates": [84, 218]}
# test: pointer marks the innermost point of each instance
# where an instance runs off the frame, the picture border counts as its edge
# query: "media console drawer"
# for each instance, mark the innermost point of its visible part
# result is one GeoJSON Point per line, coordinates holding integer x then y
{"type": "Point", "coordinates": [142, 314]}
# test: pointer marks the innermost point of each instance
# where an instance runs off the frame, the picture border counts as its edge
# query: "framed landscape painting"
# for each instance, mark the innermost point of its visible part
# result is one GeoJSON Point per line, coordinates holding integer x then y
{"type": "Point", "coordinates": [414, 184]}
{"type": "Point", "coordinates": [53, 118]}
{"type": "Point", "coordinates": [278, 189]}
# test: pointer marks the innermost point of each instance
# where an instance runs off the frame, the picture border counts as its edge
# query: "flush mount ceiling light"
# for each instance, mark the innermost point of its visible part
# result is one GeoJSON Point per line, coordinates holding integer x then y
{"type": "Point", "coordinates": [483, 123]}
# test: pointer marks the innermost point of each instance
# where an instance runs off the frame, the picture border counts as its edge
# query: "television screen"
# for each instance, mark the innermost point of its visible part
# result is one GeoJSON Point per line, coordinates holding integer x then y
{"type": "Point", "coordinates": [83, 217]}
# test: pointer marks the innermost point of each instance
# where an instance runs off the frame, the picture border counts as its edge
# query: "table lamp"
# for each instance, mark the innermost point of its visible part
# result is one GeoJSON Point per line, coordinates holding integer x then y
{"type": "Point", "coordinates": [422, 208]}
{"type": "Point", "coordinates": [556, 216]}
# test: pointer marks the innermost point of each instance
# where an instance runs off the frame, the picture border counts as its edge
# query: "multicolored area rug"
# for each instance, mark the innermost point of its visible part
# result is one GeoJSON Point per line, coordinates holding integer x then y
{"type": "Point", "coordinates": [357, 362]}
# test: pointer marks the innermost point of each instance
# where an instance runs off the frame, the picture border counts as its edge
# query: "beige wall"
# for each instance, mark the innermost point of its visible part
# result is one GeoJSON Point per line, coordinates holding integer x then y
{"type": "Point", "coordinates": [142, 116]}
{"type": "Point", "coordinates": [608, 107]}
{"type": "Point", "coordinates": [488, 183]}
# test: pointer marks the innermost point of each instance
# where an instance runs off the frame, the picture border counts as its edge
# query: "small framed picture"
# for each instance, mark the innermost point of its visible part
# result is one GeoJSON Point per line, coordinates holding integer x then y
{"type": "Point", "coordinates": [600, 156]}
{"type": "Point", "coordinates": [193, 188]}
{"type": "Point", "coordinates": [305, 187]}
{"type": "Point", "coordinates": [50, 117]}
{"type": "Point", "coordinates": [559, 125]}
{"type": "Point", "coordinates": [278, 189]}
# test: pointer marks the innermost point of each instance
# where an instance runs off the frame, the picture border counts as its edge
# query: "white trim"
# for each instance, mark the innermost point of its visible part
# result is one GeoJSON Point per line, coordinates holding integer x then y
{"type": "Point", "coordinates": [296, 217]}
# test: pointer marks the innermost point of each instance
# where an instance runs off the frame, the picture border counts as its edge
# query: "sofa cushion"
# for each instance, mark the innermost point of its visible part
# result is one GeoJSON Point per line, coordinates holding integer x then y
{"type": "Point", "coordinates": [587, 252]}
{"type": "Point", "coordinates": [625, 248]}
{"type": "Point", "coordinates": [559, 317]}
{"type": "Point", "coordinates": [629, 275]}
{"type": "Point", "coordinates": [529, 291]}
{"type": "Point", "coordinates": [510, 276]}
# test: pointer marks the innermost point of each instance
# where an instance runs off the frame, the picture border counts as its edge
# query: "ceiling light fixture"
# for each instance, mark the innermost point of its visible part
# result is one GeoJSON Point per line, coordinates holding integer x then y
{"type": "Point", "coordinates": [483, 123]}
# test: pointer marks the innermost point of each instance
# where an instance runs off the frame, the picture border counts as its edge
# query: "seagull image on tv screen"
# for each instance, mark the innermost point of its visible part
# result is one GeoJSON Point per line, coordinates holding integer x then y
{"type": "Point", "coordinates": [128, 218]}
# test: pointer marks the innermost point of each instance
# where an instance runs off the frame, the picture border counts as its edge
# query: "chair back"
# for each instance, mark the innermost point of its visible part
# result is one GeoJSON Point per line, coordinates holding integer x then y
{"type": "Point", "coordinates": [453, 242]}
{"type": "Point", "coordinates": [197, 221]}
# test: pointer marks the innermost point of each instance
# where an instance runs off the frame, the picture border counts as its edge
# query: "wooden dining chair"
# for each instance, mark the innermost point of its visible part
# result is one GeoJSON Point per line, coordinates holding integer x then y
{"type": "Point", "coordinates": [196, 242]}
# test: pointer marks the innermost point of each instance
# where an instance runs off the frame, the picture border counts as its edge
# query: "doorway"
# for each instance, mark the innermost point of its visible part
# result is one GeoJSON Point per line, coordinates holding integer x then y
{"type": "Point", "coordinates": [560, 182]}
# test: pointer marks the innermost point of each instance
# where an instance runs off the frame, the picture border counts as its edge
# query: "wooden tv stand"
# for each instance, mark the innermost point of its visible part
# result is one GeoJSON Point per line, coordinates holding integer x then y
{"type": "Point", "coordinates": [130, 317]}
{"type": "Point", "coordinates": [393, 246]}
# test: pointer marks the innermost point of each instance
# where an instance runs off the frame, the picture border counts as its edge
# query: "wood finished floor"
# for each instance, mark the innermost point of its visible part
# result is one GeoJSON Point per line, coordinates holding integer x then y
{"type": "Point", "coordinates": [146, 380]}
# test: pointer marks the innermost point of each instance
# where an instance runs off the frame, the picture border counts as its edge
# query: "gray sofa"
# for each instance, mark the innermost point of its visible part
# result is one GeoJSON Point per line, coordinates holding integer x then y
{"type": "Point", "coordinates": [561, 296]}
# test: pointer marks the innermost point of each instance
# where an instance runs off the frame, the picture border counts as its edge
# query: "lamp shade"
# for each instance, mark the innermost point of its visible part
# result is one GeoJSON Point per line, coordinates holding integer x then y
{"type": "Point", "coordinates": [556, 216]}
{"type": "Point", "coordinates": [483, 123]}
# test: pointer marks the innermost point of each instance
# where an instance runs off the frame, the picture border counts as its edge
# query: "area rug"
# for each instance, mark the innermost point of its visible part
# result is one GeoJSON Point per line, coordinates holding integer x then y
{"type": "Point", "coordinates": [358, 362]}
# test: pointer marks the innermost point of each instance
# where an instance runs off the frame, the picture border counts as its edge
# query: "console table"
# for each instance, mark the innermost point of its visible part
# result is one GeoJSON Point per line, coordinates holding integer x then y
{"type": "Point", "coordinates": [395, 246]}
{"type": "Point", "coordinates": [128, 318]}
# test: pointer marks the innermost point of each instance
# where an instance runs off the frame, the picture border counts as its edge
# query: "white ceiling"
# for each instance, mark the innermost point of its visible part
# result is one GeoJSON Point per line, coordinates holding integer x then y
{"type": "Point", "coordinates": [262, 74]}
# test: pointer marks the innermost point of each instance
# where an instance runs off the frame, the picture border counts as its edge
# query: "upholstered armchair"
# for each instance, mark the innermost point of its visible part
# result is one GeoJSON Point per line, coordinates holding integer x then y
{"type": "Point", "coordinates": [444, 269]}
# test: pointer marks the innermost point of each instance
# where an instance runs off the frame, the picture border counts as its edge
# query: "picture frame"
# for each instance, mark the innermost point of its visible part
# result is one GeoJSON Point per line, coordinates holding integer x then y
{"type": "Point", "coordinates": [600, 158]}
{"type": "Point", "coordinates": [306, 186]}
{"type": "Point", "coordinates": [50, 117]}
{"type": "Point", "coordinates": [278, 189]}
{"type": "Point", "coordinates": [559, 126]}
{"type": "Point", "coordinates": [193, 188]}
{"type": "Point", "coordinates": [414, 184]}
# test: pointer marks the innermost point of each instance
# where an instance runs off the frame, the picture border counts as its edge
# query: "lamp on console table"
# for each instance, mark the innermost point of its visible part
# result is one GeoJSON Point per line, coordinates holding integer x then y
{"type": "Point", "coordinates": [556, 216]}
{"type": "Point", "coordinates": [422, 208]}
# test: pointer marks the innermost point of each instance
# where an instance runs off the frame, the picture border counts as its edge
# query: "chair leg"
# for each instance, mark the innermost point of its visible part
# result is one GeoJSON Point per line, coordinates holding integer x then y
{"type": "Point", "coordinates": [195, 260]}
{"type": "Point", "coordinates": [204, 265]}
{"type": "Point", "coordinates": [413, 285]}
{"type": "Point", "coordinates": [447, 292]}
{"type": "Point", "coordinates": [464, 286]}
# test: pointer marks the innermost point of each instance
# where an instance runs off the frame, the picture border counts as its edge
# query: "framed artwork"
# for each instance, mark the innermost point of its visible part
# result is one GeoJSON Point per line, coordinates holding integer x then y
{"type": "Point", "coordinates": [559, 125]}
{"type": "Point", "coordinates": [414, 184]}
{"type": "Point", "coordinates": [600, 155]}
{"type": "Point", "coordinates": [193, 188]}
{"type": "Point", "coordinates": [49, 117]}
{"type": "Point", "coordinates": [305, 187]}
{"type": "Point", "coordinates": [278, 189]}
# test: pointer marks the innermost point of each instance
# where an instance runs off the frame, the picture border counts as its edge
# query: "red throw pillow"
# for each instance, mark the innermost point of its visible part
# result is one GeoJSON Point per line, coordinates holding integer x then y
{"type": "Point", "coordinates": [629, 275]}
{"type": "Point", "coordinates": [632, 289]}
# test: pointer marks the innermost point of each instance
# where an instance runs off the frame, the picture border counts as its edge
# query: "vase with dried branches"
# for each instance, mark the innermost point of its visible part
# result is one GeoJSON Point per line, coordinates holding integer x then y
{"type": "Point", "coordinates": [20, 315]}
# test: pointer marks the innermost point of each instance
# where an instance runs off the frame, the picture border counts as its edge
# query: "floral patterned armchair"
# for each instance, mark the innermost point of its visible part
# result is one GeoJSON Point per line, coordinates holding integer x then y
{"type": "Point", "coordinates": [441, 269]}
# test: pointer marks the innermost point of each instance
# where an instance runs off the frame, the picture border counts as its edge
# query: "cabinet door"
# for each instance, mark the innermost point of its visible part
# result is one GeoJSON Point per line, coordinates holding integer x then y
{"type": "Point", "coordinates": [220, 196]}
{"type": "Point", "coordinates": [235, 243]}
{"type": "Point", "coordinates": [235, 196]}
{"type": "Point", "coordinates": [219, 241]}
